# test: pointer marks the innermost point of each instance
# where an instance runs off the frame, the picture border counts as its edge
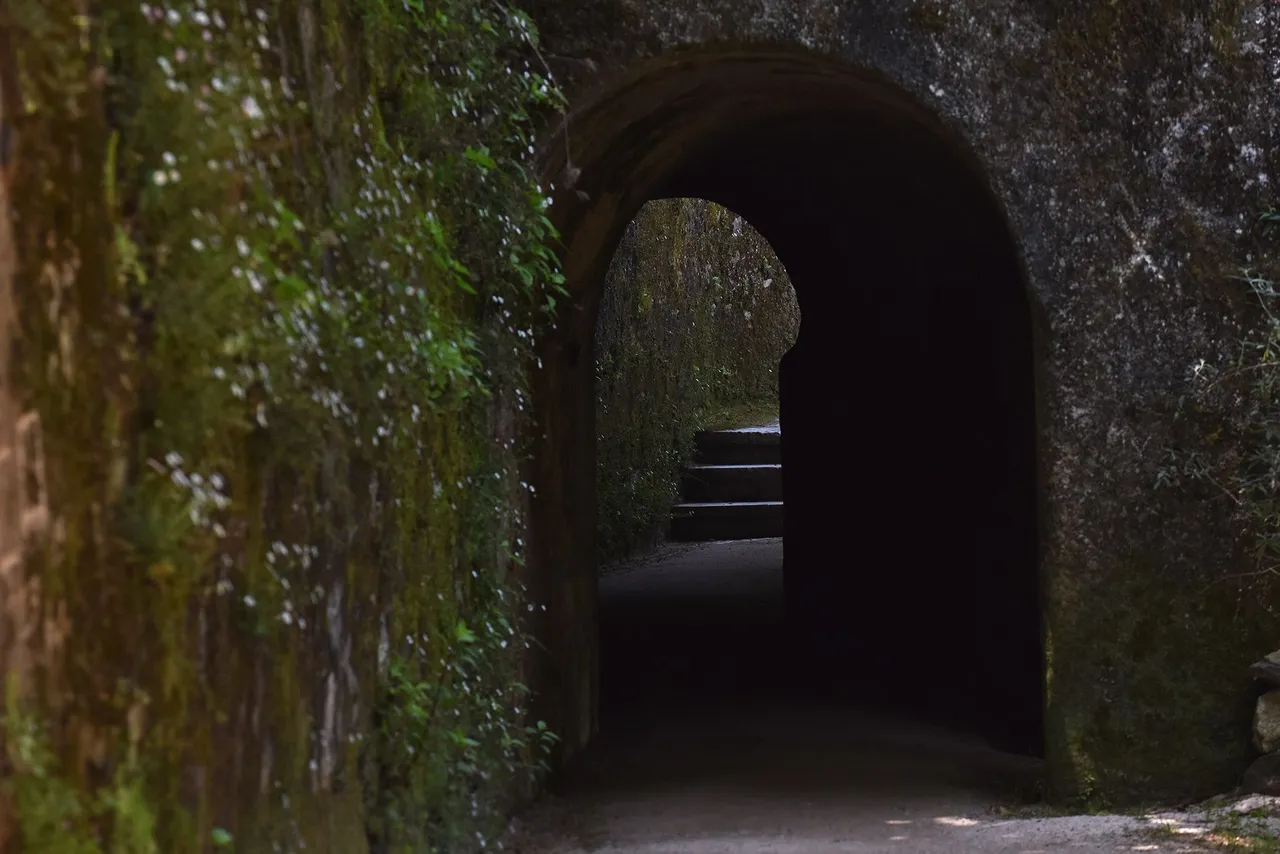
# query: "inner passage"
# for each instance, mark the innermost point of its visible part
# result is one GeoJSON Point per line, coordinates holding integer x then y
{"type": "Point", "coordinates": [906, 581]}
{"type": "Point", "coordinates": [696, 315]}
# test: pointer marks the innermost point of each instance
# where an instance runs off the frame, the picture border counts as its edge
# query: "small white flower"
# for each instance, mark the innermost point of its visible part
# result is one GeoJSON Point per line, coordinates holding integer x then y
{"type": "Point", "coordinates": [251, 108]}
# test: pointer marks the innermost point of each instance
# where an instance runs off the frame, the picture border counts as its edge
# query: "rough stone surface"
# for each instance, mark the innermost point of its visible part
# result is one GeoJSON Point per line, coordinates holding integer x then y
{"type": "Point", "coordinates": [1266, 722]}
{"type": "Point", "coordinates": [1263, 776]}
{"type": "Point", "coordinates": [1129, 146]}
{"type": "Point", "coordinates": [1267, 669]}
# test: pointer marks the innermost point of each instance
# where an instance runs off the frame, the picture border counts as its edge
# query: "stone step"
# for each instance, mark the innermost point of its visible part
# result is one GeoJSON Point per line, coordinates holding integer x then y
{"type": "Point", "coordinates": [726, 520]}
{"type": "Point", "coordinates": [759, 482]}
{"type": "Point", "coordinates": [737, 447]}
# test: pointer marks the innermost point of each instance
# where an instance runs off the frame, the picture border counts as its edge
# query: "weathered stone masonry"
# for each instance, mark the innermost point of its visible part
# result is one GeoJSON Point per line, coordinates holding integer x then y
{"type": "Point", "coordinates": [1128, 146]}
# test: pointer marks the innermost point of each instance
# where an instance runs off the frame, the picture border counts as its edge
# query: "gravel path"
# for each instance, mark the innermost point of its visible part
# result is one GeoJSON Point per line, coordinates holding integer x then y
{"type": "Point", "coordinates": [707, 747]}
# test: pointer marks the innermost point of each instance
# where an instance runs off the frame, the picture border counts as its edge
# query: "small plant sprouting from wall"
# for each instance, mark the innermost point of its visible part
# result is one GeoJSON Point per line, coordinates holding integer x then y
{"type": "Point", "coordinates": [1232, 412]}
{"type": "Point", "coordinates": [697, 313]}
{"type": "Point", "coordinates": [440, 754]}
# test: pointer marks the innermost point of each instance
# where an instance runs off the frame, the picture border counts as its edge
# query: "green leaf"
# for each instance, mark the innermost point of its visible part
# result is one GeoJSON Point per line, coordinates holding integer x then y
{"type": "Point", "coordinates": [481, 157]}
{"type": "Point", "coordinates": [461, 739]}
{"type": "Point", "coordinates": [127, 251]}
{"type": "Point", "coordinates": [290, 289]}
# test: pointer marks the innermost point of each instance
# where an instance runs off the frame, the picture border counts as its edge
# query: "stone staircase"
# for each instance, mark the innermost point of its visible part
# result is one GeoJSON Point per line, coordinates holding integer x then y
{"type": "Point", "coordinates": [733, 489]}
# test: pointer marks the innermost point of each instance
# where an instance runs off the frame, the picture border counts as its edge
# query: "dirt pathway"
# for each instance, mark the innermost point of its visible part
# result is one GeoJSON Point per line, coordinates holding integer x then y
{"type": "Point", "coordinates": [709, 747]}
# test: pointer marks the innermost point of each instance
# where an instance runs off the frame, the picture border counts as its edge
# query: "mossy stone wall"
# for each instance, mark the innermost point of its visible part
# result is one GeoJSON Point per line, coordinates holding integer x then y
{"type": "Point", "coordinates": [279, 272]}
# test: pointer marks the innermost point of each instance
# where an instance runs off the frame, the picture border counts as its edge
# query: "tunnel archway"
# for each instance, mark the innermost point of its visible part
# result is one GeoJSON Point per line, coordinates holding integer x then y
{"type": "Point", "coordinates": [908, 401]}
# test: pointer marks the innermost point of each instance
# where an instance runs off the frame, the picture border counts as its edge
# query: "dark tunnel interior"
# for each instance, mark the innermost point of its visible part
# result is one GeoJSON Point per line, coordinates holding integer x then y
{"type": "Point", "coordinates": [908, 443]}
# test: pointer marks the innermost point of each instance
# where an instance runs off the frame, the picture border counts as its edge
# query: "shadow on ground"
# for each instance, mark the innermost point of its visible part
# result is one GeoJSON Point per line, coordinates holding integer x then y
{"type": "Point", "coordinates": [714, 737]}
{"type": "Point", "coordinates": [702, 682]}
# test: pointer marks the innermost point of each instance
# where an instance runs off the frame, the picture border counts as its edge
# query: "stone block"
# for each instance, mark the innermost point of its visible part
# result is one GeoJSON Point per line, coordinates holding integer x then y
{"type": "Point", "coordinates": [1266, 722]}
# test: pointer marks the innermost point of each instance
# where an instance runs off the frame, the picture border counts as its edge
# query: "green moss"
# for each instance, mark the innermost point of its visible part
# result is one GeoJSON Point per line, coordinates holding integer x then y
{"type": "Point", "coordinates": [54, 815]}
{"type": "Point", "coordinates": [1150, 686]}
{"type": "Point", "coordinates": [1089, 33]}
{"type": "Point", "coordinates": [281, 271]}
{"type": "Point", "coordinates": [1224, 25]}
{"type": "Point", "coordinates": [932, 17]}
{"type": "Point", "coordinates": [1170, 667]}
{"type": "Point", "coordinates": [741, 413]}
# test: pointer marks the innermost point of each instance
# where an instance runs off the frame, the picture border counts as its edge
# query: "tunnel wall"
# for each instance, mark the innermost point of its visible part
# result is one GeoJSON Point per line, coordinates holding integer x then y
{"type": "Point", "coordinates": [1129, 147]}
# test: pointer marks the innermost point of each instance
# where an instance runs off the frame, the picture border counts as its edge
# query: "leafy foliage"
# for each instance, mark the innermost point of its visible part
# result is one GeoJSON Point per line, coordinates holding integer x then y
{"type": "Point", "coordinates": [55, 815]}
{"type": "Point", "coordinates": [283, 267]}
{"type": "Point", "coordinates": [442, 750]}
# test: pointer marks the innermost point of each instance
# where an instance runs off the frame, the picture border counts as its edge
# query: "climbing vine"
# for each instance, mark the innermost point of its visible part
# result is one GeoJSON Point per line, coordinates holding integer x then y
{"type": "Point", "coordinates": [282, 269]}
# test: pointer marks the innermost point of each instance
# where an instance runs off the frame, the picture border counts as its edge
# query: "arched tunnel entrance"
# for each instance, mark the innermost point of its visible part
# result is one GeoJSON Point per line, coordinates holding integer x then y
{"type": "Point", "coordinates": [907, 403]}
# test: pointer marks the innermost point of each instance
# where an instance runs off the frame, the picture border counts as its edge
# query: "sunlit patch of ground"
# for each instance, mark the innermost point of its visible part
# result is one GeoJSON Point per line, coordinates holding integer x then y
{"type": "Point", "coordinates": [1249, 823]}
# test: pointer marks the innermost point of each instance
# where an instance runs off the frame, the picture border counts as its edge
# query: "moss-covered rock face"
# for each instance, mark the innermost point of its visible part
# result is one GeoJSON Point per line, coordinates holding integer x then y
{"type": "Point", "coordinates": [696, 316]}
{"type": "Point", "coordinates": [280, 268]}
{"type": "Point", "coordinates": [1129, 147]}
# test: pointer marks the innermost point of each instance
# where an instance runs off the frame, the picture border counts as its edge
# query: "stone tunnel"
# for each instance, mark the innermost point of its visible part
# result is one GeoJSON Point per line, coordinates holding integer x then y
{"type": "Point", "coordinates": [1012, 227]}
{"type": "Point", "coordinates": [1000, 249]}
